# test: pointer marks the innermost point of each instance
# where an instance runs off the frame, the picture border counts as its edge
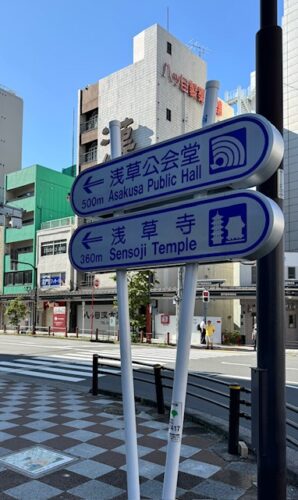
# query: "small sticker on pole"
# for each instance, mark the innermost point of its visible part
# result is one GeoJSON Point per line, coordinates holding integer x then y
{"type": "Point", "coordinates": [175, 426]}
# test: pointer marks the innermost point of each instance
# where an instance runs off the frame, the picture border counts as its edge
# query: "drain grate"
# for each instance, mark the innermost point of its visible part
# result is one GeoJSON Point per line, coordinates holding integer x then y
{"type": "Point", "coordinates": [36, 461]}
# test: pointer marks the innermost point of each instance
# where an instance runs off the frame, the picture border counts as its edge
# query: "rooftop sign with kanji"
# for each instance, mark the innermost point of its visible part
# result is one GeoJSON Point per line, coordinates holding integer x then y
{"type": "Point", "coordinates": [239, 152]}
{"type": "Point", "coordinates": [229, 226]}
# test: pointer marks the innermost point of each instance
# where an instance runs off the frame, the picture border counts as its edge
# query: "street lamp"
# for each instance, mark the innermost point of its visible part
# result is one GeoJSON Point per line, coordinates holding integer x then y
{"type": "Point", "coordinates": [34, 283]}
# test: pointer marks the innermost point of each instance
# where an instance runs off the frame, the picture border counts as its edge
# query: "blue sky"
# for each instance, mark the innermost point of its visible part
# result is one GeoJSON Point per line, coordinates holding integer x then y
{"type": "Point", "coordinates": [51, 48]}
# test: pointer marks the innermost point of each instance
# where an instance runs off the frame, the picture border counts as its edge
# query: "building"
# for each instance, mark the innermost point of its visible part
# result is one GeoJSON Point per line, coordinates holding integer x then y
{"type": "Point", "coordinates": [43, 195]}
{"type": "Point", "coordinates": [290, 89]}
{"type": "Point", "coordinates": [11, 131]}
{"type": "Point", "coordinates": [248, 298]}
{"type": "Point", "coordinates": [159, 96]}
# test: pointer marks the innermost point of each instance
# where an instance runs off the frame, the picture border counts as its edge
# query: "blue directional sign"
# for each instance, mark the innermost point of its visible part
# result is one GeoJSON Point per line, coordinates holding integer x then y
{"type": "Point", "coordinates": [229, 226]}
{"type": "Point", "coordinates": [239, 152]}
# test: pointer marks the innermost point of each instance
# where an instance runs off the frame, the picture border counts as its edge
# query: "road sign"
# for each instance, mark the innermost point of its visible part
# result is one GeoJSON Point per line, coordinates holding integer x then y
{"type": "Point", "coordinates": [239, 152]}
{"type": "Point", "coordinates": [229, 226]}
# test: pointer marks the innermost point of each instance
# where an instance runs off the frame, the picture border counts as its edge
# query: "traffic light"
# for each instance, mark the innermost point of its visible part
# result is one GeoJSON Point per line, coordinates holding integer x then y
{"type": "Point", "coordinates": [205, 296]}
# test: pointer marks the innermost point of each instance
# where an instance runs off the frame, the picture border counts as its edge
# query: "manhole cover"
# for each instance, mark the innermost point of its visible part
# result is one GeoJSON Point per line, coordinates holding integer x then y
{"type": "Point", "coordinates": [36, 461]}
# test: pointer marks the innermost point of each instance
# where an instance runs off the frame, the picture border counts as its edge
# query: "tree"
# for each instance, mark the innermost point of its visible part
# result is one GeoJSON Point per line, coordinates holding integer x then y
{"type": "Point", "coordinates": [16, 311]}
{"type": "Point", "coordinates": [140, 284]}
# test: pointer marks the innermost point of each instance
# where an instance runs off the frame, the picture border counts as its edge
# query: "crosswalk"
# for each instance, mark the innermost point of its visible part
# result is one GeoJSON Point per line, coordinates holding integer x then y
{"type": "Point", "coordinates": [50, 369]}
{"type": "Point", "coordinates": [76, 365]}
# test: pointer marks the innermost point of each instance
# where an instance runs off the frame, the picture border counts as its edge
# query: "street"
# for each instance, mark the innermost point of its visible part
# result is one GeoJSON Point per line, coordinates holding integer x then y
{"type": "Point", "coordinates": [231, 363]}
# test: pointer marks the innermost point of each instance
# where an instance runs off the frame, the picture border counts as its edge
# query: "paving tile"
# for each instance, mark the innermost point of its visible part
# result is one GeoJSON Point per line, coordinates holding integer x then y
{"type": "Point", "coordinates": [79, 424]}
{"type": "Point", "coordinates": [64, 479]}
{"type": "Point", "coordinates": [147, 469]}
{"type": "Point", "coordinates": [198, 468]}
{"type": "Point", "coordinates": [85, 450]}
{"type": "Point", "coordinates": [158, 457]}
{"type": "Point", "coordinates": [209, 457]}
{"type": "Point", "coordinates": [234, 478]}
{"type": "Point", "coordinates": [94, 490]}
{"type": "Point", "coordinates": [4, 436]}
{"type": "Point", "coordinates": [39, 436]}
{"type": "Point", "coordinates": [33, 489]}
{"type": "Point", "coordinates": [6, 425]}
{"type": "Point", "coordinates": [153, 489]}
{"type": "Point", "coordinates": [151, 442]}
{"type": "Point", "coordinates": [217, 489]}
{"type": "Point", "coordinates": [40, 425]}
{"type": "Point", "coordinates": [90, 468]}
{"type": "Point", "coordinates": [111, 458]}
{"type": "Point", "coordinates": [106, 442]}
{"type": "Point", "coordinates": [155, 425]}
{"type": "Point", "coordinates": [61, 443]}
{"type": "Point", "coordinates": [10, 478]}
{"type": "Point", "coordinates": [77, 414]}
{"type": "Point", "coordinates": [82, 435]}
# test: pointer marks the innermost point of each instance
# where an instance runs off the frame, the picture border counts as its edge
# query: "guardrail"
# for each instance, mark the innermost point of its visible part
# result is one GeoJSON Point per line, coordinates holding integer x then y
{"type": "Point", "coordinates": [163, 381]}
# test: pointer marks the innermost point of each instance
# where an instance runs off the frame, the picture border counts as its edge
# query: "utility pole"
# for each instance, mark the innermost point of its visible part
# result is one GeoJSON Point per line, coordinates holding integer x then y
{"type": "Point", "coordinates": [269, 377]}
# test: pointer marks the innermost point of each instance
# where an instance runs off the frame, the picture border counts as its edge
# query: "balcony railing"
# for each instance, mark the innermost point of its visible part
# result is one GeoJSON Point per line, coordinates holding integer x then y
{"type": "Point", "coordinates": [66, 221]}
{"type": "Point", "coordinates": [90, 124]}
{"type": "Point", "coordinates": [89, 156]}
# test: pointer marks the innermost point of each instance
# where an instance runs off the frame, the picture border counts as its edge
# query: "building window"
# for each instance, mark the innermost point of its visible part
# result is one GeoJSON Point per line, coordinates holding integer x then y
{"type": "Point", "coordinates": [169, 115]}
{"type": "Point", "coordinates": [53, 247]}
{"type": "Point", "coordinates": [291, 273]}
{"type": "Point", "coordinates": [169, 48]}
{"type": "Point", "coordinates": [253, 275]}
{"type": "Point", "coordinates": [18, 278]}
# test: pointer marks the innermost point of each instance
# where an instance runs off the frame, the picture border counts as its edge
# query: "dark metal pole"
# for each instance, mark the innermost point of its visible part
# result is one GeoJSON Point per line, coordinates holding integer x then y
{"type": "Point", "coordinates": [234, 415]}
{"type": "Point", "coordinates": [270, 273]}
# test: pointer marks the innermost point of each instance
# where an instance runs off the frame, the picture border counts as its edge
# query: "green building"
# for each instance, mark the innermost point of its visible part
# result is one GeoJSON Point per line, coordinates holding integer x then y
{"type": "Point", "coordinates": [43, 195]}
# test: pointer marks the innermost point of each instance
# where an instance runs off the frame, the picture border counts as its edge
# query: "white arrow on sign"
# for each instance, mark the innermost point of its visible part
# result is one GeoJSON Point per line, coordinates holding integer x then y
{"type": "Point", "coordinates": [239, 152]}
{"type": "Point", "coordinates": [229, 226]}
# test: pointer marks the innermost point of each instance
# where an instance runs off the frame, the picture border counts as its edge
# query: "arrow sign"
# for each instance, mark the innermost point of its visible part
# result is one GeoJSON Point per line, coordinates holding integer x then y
{"type": "Point", "coordinates": [87, 240]}
{"type": "Point", "coordinates": [217, 228]}
{"type": "Point", "coordinates": [239, 152]}
{"type": "Point", "coordinates": [89, 183]}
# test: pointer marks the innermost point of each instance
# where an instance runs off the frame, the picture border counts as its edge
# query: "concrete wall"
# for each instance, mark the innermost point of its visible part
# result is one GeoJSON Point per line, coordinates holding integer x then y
{"type": "Point", "coordinates": [11, 129]}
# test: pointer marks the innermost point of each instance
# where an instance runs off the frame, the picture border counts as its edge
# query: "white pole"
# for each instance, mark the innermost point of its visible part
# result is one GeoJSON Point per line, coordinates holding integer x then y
{"type": "Point", "coordinates": [133, 486]}
{"type": "Point", "coordinates": [183, 344]}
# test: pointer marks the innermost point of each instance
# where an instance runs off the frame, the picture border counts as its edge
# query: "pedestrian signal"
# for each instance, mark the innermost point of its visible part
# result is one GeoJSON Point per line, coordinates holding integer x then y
{"type": "Point", "coordinates": [205, 296]}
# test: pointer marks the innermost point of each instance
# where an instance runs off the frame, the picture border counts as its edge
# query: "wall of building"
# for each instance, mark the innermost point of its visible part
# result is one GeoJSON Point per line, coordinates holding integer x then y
{"type": "Point", "coordinates": [290, 72]}
{"type": "Point", "coordinates": [11, 129]}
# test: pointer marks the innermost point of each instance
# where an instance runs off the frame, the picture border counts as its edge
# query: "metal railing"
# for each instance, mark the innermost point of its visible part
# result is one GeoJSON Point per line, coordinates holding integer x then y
{"type": "Point", "coordinates": [89, 156]}
{"type": "Point", "coordinates": [165, 381]}
{"type": "Point", "coordinates": [231, 396]}
{"type": "Point", "coordinates": [91, 124]}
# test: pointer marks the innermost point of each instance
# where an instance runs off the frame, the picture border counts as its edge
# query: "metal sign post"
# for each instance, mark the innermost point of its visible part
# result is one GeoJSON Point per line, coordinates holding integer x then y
{"type": "Point", "coordinates": [183, 346]}
{"type": "Point", "coordinates": [133, 485]}
{"type": "Point", "coordinates": [272, 473]}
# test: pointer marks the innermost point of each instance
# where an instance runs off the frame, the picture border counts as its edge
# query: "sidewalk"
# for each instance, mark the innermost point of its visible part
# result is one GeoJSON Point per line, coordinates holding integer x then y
{"type": "Point", "coordinates": [65, 444]}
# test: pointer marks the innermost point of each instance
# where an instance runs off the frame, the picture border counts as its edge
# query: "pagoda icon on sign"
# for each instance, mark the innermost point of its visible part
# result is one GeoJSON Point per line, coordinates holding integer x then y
{"type": "Point", "coordinates": [227, 225]}
{"type": "Point", "coordinates": [235, 227]}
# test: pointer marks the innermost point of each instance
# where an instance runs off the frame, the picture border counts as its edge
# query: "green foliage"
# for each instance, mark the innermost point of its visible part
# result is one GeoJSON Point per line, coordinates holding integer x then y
{"type": "Point", "coordinates": [232, 338]}
{"type": "Point", "coordinates": [139, 287]}
{"type": "Point", "coordinates": [16, 311]}
{"type": "Point", "coordinates": [140, 284]}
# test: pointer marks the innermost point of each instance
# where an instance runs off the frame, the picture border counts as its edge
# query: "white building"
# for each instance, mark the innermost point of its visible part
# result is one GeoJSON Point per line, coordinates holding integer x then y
{"type": "Point", "coordinates": [248, 302]}
{"type": "Point", "coordinates": [54, 272]}
{"type": "Point", "coordinates": [159, 96]}
{"type": "Point", "coordinates": [290, 78]}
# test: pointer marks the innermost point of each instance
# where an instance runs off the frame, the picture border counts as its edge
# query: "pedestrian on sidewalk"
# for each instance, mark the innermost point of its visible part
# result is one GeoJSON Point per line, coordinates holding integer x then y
{"type": "Point", "coordinates": [210, 329]}
{"type": "Point", "coordinates": [254, 336]}
{"type": "Point", "coordinates": [202, 330]}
